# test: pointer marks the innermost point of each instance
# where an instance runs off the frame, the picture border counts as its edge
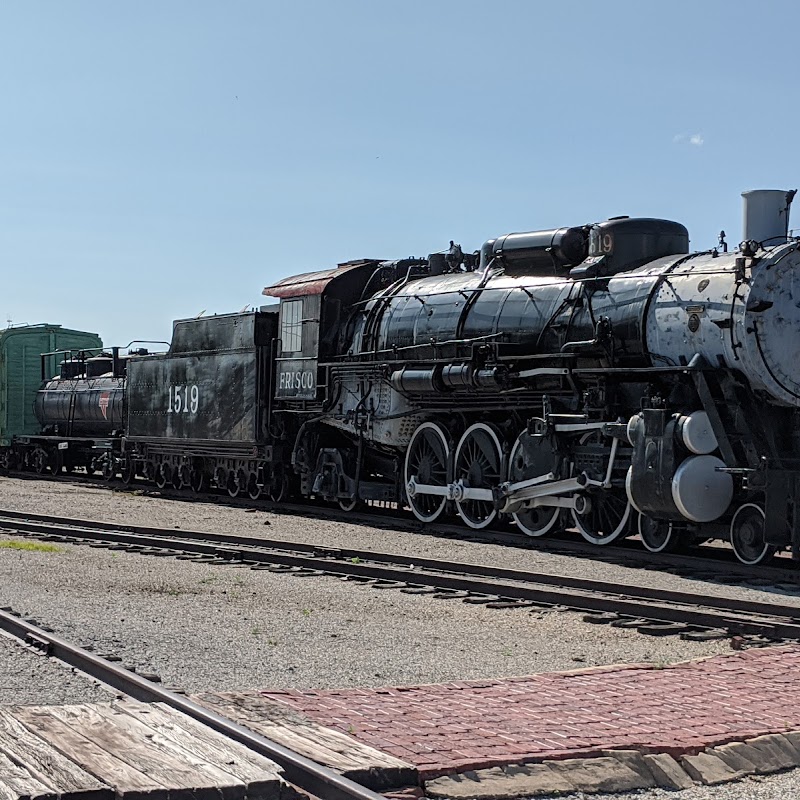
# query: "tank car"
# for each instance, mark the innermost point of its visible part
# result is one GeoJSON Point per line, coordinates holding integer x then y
{"type": "Point", "coordinates": [600, 377]}
{"type": "Point", "coordinates": [80, 412]}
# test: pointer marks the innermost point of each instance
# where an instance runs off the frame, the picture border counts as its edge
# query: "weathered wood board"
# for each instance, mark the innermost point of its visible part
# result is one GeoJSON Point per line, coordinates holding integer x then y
{"type": "Point", "coordinates": [258, 773]}
{"type": "Point", "coordinates": [16, 783]}
{"type": "Point", "coordinates": [128, 751]}
{"type": "Point", "coordinates": [47, 764]}
{"type": "Point", "coordinates": [129, 782]}
{"type": "Point", "coordinates": [281, 724]}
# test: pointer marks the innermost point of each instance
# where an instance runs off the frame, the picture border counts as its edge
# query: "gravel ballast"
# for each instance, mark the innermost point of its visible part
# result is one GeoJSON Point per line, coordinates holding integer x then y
{"type": "Point", "coordinates": [29, 678]}
{"type": "Point", "coordinates": [216, 627]}
{"type": "Point", "coordinates": [206, 627]}
{"type": "Point", "coordinates": [138, 507]}
{"type": "Point", "coordinates": [785, 786]}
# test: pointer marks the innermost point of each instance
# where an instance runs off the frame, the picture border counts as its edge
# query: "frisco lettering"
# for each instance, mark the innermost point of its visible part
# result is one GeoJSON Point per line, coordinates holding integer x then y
{"type": "Point", "coordinates": [296, 380]}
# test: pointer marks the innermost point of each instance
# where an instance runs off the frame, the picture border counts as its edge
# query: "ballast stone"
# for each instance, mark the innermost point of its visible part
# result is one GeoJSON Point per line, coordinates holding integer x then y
{"type": "Point", "coordinates": [633, 760]}
{"type": "Point", "coordinates": [772, 752]}
{"type": "Point", "coordinates": [793, 737]}
{"type": "Point", "coordinates": [660, 769]}
{"type": "Point", "coordinates": [740, 756]}
{"type": "Point", "coordinates": [777, 749]}
{"type": "Point", "coordinates": [616, 771]}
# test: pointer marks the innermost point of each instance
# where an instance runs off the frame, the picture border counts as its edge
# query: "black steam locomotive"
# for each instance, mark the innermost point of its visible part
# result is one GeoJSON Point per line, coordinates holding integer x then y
{"type": "Point", "coordinates": [599, 377]}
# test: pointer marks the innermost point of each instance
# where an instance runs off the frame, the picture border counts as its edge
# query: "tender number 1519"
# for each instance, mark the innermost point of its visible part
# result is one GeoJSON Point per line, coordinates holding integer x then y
{"type": "Point", "coordinates": [183, 398]}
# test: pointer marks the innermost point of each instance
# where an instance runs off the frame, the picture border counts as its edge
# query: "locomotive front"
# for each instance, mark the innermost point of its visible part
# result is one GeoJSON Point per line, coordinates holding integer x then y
{"type": "Point", "coordinates": [728, 456]}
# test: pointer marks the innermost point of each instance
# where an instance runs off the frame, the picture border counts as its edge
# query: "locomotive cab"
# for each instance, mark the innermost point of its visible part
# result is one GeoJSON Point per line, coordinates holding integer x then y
{"type": "Point", "coordinates": [311, 310]}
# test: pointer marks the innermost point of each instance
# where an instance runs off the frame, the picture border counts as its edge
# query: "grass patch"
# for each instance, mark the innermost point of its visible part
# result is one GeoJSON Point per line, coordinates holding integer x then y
{"type": "Point", "coordinates": [35, 547]}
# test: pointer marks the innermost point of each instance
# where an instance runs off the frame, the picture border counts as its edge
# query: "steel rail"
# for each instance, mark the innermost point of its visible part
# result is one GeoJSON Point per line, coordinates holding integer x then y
{"type": "Point", "coordinates": [701, 560]}
{"type": "Point", "coordinates": [582, 594]}
{"type": "Point", "coordinates": [305, 773]}
{"type": "Point", "coordinates": [150, 537]}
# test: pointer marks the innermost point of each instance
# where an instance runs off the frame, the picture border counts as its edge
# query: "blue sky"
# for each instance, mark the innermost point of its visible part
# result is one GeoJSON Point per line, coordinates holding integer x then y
{"type": "Point", "coordinates": [158, 159]}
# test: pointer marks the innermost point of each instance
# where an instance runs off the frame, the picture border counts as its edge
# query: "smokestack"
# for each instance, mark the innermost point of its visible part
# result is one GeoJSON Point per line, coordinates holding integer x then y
{"type": "Point", "coordinates": [766, 215]}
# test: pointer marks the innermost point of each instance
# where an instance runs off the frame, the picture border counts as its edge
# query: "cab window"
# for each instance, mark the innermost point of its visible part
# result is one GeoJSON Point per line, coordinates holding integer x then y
{"type": "Point", "coordinates": [292, 326]}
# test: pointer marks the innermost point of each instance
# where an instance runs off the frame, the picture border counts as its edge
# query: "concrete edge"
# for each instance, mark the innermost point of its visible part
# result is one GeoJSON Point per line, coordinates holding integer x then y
{"type": "Point", "coordinates": [623, 771]}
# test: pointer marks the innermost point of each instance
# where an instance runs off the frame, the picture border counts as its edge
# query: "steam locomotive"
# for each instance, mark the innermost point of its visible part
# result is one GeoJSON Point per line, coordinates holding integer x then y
{"type": "Point", "coordinates": [598, 377]}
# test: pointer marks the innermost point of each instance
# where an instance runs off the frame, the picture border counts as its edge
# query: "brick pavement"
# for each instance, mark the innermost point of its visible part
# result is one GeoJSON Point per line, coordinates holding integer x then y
{"type": "Point", "coordinates": [464, 725]}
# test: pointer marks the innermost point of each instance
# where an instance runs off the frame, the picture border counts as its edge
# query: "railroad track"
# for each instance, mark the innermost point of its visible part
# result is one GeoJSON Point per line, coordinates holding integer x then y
{"type": "Point", "coordinates": [314, 778]}
{"type": "Point", "coordinates": [655, 611]}
{"type": "Point", "coordinates": [706, 562]}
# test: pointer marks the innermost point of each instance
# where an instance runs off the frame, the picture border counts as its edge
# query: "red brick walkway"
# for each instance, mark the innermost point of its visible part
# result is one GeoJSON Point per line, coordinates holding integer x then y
{"type": "Point", "coordinates": [442, 728]}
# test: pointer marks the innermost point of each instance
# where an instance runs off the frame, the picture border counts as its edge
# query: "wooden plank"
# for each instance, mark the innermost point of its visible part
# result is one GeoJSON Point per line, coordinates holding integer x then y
{"type": "Point", "coordinates": [46, 763]}
{"type": "Point", "coordinates": [129, 783]}
{"type": "Point", "coordinates": [287, 732]}
{"type": "Point", "coordinates": [345, 747]}
{"type": "Point", "coordinates": [184, 776]}
{"type": "Point", "coordinates": [278, 722]}
{"type": "Point", "coordinates": [16, 783]}
{"type": "Point", "coordinates": [205, 777]}
{"type": "Point", "coordinates": [262, 777]}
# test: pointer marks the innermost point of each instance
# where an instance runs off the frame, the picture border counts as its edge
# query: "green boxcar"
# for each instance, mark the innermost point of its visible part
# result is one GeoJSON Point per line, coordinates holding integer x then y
{"type": "Point", "coordinates": [21, 371]}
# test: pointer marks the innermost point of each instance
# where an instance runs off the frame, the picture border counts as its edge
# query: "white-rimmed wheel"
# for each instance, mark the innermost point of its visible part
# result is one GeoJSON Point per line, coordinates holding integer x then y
{"type": "Point", "coordinates": [532, 456]}
{"type": "Point", "coordinates": [478, 465]}
{"type": "Point", "coordinates": [348, 503]}
{"type": "Point", "coordinates": [607, 515]}
{"type": "Point", "coordinates": [747, 535]}
{"type": "Point", "coordinates": [657, 535]}
{"type": "Point", "coordinates": [426, 466]}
